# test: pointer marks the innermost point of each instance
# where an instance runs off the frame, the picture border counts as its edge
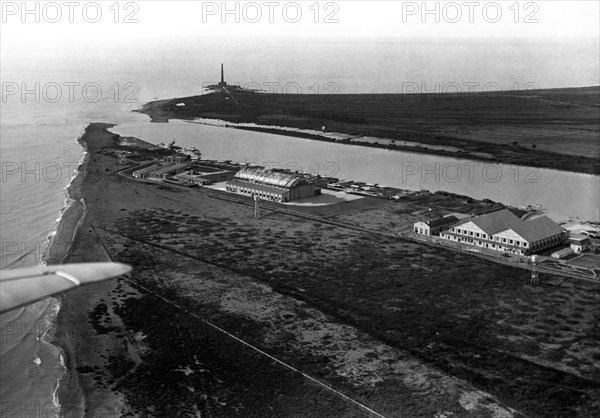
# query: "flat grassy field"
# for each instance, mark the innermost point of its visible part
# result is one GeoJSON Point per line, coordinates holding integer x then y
{"type": "Point", "coordinates": [533, 347]}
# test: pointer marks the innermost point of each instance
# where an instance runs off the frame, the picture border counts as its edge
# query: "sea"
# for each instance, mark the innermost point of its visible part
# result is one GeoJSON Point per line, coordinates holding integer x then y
{"type": "Point", "coordinates": [48, 101]}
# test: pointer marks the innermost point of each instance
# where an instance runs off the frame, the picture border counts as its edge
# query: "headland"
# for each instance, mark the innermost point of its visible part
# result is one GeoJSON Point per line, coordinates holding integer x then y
{"type": "Point", "coordinates": [555, 128]}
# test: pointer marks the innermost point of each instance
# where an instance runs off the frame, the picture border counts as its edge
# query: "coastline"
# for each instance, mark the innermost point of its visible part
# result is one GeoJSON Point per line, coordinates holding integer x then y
{"type": "Point", "coordinates": [61, 238]}
{"type": "Point", "coordinates": [57, 257]}
{"type": "Point", "coordinates": [57, 252]}
{"type": "Point", "coordinates": [208, 107]}
{"type": "Point", "coordinates": [301, 311]}
{"type": "Point", "coordinates": [71, 329]}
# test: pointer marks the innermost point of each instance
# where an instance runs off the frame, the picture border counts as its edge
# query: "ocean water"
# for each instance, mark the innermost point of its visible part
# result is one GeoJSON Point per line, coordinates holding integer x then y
{"type": "Point", "coordinates": [40, 156]}
{"type": "Point", "coordinates": [39, 129]}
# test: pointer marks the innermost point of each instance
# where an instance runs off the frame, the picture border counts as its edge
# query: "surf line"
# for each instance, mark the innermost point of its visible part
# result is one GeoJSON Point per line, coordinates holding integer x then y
{"type": "Point", "coordinates": [258, 350]}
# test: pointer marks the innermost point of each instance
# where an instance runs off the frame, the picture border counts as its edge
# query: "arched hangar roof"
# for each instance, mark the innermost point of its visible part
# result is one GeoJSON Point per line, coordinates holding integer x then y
{"type": "Point", "coordinates": [268, 177]}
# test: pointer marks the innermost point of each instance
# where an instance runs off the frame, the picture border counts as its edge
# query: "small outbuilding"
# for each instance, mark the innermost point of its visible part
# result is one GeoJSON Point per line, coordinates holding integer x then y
{"type": "Point", "coordinates": [435, 226]}
{"type": "Point", "coordinates": [580, 243]}
{"type": "Point", "coordinates": [565, 252]}
{"type": "Point", "coordinates": [176, 158]}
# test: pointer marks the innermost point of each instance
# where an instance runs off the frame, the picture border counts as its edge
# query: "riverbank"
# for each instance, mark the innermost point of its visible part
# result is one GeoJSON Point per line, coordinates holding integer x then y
{"type": "Point", "coordinates": [404, 328]}
{"type": "Point", "coordinates": [520, 129]}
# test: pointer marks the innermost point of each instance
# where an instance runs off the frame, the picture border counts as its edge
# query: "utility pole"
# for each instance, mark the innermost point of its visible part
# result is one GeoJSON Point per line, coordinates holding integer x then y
{"type": "Point", "coordinates": [256, 206]}
{"type": "Point", "coordinates": [534, 269]}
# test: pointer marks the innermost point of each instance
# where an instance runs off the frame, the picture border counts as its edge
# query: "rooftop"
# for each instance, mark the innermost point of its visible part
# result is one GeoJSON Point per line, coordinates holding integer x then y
{"type": "Point", "coordinates": [531, 230]}
{"type": "Point", "coordinates": [536, 229]}
{"type": "Point", "coordinates": [495, 221]}
{"type": "Point", "coordinates": [444, 220]}
{"type": "Point", "coordinates": [581, 240]}
{"type": "Point", "coordinates": [269, 177]}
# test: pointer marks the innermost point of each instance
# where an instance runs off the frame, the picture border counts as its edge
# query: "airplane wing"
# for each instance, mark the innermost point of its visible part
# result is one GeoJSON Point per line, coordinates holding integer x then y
{"type": "Point", "coordinates": [23, 286]}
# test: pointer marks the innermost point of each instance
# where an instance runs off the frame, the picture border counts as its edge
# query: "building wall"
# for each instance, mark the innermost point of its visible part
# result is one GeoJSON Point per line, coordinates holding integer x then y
{"type": "Point", "coordinates": [549, 242]}
{"type": "Point", "coordinates": [302, 191]}
{"type": "Point", "coordinates": [278, 194]}
{"type": "Point", "coordinates": [511, 238]}
{"type": "Point", "coordinates": [562, 253]}
{"type": "Point", "coordinates": [170, 170]}
{"type": "Point", "coordinates": [198, 180]}
{"type": "Point", "coordinates": [505, 241]}
{"type": "Point", "coordinates": [438, 229]}
{"type": "Point", "coordinates": [579, 245]}
{"type": "Point", "coordinates": [425, 228]}
{"type": "Point", "coordinates": [281, 195]}
{"type": "Point", "coordinates": [472, 230]}
{"type": "Point", "coordinates": [471, 234]}
{"type": "Point", "coordinates": [422, 228]}
{"type": "Point", "coordinates": [176, 159]}
{"type": "Point", "coordinates": [145, 172]}
{"type": "Point", "coordinates": [482, 242]}
{"type": "Point", "coordinates": [218, 176]}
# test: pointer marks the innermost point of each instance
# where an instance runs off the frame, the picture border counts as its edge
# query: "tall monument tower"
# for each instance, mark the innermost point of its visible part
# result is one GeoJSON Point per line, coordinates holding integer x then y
{"type": "Point", "coordinates": [222, 83]}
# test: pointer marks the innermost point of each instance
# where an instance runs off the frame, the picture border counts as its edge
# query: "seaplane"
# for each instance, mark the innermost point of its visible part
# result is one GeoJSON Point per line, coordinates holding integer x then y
{"type": "Point", "coordinates": [174, 147]}
{"type": "Point", "coordinates": [23, 286]}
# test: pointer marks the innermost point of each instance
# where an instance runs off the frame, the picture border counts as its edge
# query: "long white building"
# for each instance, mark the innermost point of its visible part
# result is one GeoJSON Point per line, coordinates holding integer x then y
{"type": "Point", "coordinates": [505, 232]}
{"type": "Point", "coordinates": [272, 185]}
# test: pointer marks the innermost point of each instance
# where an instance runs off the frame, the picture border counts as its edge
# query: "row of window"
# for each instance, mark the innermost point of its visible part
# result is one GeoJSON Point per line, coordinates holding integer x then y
{"type": "Point", "coordinates": [481, 244]}
{"type": "Point", "coordinates": [489, 237]}
{"type": "Point", "coordinates": [548, 242]}
{"type": "Point", "coordinates": [537, 246]}
{"type": "Point", "coordinates": [263, 195]}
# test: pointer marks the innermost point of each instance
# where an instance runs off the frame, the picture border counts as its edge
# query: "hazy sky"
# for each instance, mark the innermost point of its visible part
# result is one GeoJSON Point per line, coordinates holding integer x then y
{"type": "Point", "coordinates": [554, 43]}
{"type": "Point", "coordinates": [371, 19]}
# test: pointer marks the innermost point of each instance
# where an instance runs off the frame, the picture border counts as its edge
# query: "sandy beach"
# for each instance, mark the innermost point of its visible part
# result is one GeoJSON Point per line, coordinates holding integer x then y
{"type": "Point", "coordinates": [382, 321]}
{"type": "Point", "coordinates": [74, 335]}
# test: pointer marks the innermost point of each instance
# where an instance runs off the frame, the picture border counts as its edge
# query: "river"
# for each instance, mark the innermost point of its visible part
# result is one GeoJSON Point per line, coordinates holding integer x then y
{"type": "Point", "coordinates": [564, 195]}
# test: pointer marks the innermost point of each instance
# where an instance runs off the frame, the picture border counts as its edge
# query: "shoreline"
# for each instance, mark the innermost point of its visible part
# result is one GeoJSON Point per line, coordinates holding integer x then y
{"type": "Point", "coordinates": [161, 111]}
{"type": "Point", "coordinates": [418, 149]}
{"type": "Point", "coordinates": [51, 253]}
{"type": "Point", "coordinates": [56, 245]}
{"type": "Point", "coordinates": [70, 391]}
{"type": "Point", "coordinates": [57, 252]}
{"type": "Point", "coordinates": [298, 311]}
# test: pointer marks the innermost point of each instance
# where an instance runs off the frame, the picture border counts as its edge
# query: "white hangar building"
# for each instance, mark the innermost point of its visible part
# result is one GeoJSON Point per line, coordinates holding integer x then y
{"type": "Point", "coordinates": [505, 232]}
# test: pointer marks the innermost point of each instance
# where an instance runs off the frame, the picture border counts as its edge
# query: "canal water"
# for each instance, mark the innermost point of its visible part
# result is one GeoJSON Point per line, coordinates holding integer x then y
{"type": "Point", "coordinates": [563, 195]}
